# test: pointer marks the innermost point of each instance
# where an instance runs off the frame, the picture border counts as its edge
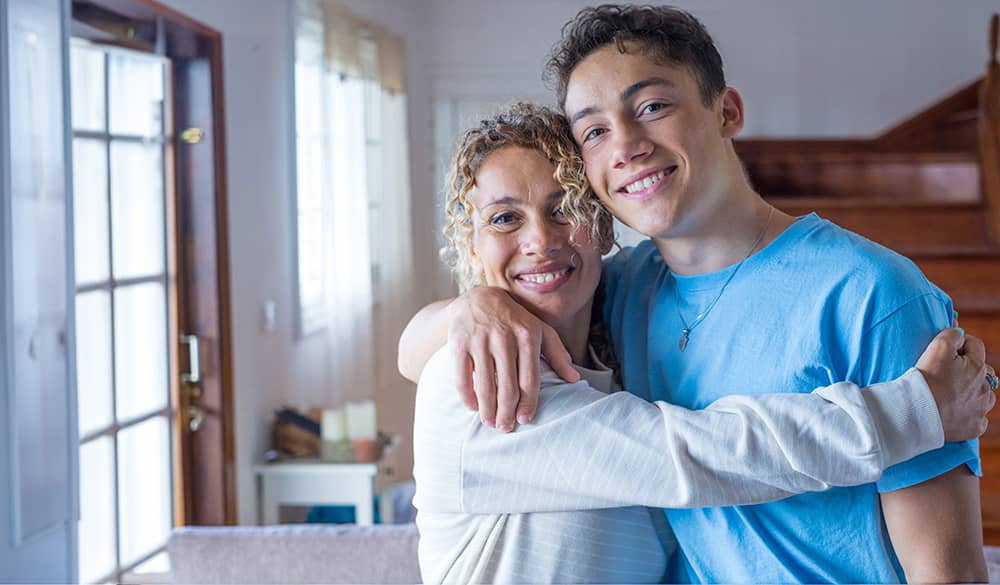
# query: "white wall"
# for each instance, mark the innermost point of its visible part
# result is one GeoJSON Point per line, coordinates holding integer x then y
{"type": "Point", "coordinates": [804, 67]}
{"type": "Point", "coordinates": [814, 67]}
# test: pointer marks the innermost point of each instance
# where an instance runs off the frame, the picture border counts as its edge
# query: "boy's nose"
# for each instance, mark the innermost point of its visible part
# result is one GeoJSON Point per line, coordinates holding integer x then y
{"type": "Point", "coordinates": [630, 145]}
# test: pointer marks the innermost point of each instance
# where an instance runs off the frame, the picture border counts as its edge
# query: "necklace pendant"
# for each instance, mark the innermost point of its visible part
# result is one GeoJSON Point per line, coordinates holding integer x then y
{"type": "Point", "coordinates": [685, 335]}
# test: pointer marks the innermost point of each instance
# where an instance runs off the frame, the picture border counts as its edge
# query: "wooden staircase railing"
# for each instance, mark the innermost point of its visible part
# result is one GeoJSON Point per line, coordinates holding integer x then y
{"type": "Point", "coordinates": [989, 128]}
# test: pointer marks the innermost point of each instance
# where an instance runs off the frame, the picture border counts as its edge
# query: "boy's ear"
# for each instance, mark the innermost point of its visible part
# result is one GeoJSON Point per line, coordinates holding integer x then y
{"type": "Point", "coordinates": [731, 111]}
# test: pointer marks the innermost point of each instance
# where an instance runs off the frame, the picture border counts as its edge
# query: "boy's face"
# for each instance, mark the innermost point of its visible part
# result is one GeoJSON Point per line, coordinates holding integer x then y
{"type": "Point", "coordinates": [654, 153]}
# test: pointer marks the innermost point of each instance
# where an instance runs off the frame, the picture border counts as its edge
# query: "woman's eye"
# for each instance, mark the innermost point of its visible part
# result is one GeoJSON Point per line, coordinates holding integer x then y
{"type": "Point", "coordinates": [502, 219]}
{"type": "Point", "coordinates": [560, 215]}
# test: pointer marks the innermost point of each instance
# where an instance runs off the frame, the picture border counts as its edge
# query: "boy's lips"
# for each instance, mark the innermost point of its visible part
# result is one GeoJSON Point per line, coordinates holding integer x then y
{"type": "Point", "coordinates": [642, 185]}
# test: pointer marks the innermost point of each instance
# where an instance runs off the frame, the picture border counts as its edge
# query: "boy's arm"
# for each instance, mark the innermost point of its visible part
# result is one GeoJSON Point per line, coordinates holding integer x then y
{"type": "Point", "coordinates": [426, 333]}
{"type": "Point", "coordinates": [936, 529]}
{"type": "Point", "coordinates": [930, 503]}
{"type": "Point", "coordinates": [495, 344]}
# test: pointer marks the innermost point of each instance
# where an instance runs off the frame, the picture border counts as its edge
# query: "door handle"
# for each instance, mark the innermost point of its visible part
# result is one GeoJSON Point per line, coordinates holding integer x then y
{"type": "Point", "coordinates": [193, 375]}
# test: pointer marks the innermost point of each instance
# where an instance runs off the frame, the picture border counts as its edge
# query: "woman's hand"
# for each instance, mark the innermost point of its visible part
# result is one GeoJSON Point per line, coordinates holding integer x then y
{"type": "Point", "coordinates": [954, 366]}
{"type": "Point", "coordinates": [497, 344]}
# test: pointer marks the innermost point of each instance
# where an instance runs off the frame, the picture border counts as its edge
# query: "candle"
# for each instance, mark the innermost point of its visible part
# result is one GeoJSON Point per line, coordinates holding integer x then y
{"type": "Point", "coordinates": [361, 420]}
{"type": "Point", "coordinates": [333, 424]}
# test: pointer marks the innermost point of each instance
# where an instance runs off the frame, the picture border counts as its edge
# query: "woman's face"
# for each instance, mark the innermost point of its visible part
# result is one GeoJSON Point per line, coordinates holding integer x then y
{"type": "Point", "coordinates": [521, 241]}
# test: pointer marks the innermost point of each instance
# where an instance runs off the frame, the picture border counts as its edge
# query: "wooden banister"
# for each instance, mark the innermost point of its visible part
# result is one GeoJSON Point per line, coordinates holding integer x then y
{"type": "Point", "coordinates": [988, 129]}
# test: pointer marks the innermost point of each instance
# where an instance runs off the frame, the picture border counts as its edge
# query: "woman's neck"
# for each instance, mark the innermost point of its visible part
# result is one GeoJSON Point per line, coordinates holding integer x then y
{"type": "Point", "coordinates": [575, 335]}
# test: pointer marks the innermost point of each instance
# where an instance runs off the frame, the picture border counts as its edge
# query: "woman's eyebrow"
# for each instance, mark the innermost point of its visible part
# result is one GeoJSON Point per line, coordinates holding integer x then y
{"type": "Point", "coordinates": [505, 200]}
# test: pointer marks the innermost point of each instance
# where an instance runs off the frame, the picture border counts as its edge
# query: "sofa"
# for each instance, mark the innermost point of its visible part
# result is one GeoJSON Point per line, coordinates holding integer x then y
{"type": "Point", "coordinates": [316, 553]}
{"type": "Point", "coordinates": [295, 554]}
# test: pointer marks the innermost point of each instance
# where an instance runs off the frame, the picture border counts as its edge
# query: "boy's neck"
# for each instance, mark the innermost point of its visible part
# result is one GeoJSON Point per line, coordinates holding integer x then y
{"type": "Point", "coordinates": [726, 237]}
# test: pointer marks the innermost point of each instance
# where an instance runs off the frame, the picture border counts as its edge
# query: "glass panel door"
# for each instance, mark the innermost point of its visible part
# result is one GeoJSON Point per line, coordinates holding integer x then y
{"type": "Point", "coordinates": [123, 309]}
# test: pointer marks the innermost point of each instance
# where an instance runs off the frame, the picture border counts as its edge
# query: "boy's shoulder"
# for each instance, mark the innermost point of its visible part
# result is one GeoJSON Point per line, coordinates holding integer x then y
{"type": "Point", "coordinates": [860, 263]}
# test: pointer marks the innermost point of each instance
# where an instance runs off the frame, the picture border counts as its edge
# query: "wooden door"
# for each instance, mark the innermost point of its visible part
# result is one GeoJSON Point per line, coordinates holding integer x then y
{"type": "Point", "coordinates": [194, 162]}
{"type": "Point", "coordinates": [206, 417]}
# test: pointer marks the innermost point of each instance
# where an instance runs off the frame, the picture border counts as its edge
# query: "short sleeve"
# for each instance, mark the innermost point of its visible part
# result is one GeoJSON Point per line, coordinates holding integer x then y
{"type": "Point", "coordinates": [891, 346]}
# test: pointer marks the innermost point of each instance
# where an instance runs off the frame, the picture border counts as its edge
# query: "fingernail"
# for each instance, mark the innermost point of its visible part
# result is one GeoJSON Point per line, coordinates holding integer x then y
{"type": "Point", "coordinates": [960, 330]}
{"type": "Point", "coordinates": [523, 419]}
{"type": "Point", "coordinates": [504, 428]}
{"type": "Point", "coordinates": [954, 315]}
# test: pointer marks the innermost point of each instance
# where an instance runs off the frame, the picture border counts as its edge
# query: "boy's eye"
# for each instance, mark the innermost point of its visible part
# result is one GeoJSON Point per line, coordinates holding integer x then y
{"type": "Point", "coordinates": [594, 133]}
{"type": "Point", "coordinates": [653, 108]}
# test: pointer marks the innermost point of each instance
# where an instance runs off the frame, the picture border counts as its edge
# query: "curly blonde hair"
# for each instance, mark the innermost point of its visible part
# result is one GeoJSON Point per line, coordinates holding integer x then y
{"type": "Point", "coordinates": [529, 126]}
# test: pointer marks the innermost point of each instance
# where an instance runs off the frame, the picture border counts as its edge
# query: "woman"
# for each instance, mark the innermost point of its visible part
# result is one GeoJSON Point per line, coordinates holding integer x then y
{"type": "Point", "coordinates": [560, 500]}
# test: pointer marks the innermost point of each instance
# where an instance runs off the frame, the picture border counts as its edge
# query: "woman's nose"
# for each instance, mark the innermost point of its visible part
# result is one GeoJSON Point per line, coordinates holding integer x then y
{"type": "Point", "coordinates": [543, 239]}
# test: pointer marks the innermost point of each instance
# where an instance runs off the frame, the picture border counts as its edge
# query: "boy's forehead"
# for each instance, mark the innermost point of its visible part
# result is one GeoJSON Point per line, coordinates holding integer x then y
{"type": "Point", "coordinates": [608, 72]}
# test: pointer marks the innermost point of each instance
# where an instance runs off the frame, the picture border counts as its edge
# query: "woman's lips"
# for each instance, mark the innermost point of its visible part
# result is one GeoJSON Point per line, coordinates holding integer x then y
{"type": "Point", "coordinates": [544, 282]}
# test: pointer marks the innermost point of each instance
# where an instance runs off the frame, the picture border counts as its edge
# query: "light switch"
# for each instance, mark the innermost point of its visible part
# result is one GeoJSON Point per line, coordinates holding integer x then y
{"type": "Point", "coordinates": [268, 316]}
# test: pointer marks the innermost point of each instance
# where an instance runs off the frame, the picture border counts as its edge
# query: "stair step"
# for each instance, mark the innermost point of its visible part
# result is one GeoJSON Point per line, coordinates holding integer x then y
{"type": "Point", "coordinates": [912, 229]}
{"type": "Point", "coordinates": [895, 176]}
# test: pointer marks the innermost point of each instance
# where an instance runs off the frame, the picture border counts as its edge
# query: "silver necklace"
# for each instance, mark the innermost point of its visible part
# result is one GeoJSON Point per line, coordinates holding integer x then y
{"type": "Point", "coordinates": [689, 327]}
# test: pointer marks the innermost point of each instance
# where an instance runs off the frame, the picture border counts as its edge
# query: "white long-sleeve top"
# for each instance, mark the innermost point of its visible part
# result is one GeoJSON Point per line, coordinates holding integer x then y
{"type": "Point", "coordinates": [563, 499]}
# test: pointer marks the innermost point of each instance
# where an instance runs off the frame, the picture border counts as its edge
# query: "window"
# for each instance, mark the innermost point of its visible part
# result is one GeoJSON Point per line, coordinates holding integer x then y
{"type": "Point", "coordinates": [122, 315]}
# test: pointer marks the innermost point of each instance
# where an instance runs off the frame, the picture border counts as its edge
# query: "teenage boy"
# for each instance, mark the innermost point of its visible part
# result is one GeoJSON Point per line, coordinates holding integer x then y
{"type": "Point", "coordinates": [727, 293]}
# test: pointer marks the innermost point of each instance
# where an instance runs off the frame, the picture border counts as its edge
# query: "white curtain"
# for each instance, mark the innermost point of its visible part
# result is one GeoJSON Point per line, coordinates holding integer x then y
{"type": "Point", "coordinates": [364, 156]}
{"type": "Point", "coordinates": [348, 277]}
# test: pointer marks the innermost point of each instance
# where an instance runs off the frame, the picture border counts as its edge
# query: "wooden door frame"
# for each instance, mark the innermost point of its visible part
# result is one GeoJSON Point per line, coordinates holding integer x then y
{"type": "Point", "coordinates": [149, 26]}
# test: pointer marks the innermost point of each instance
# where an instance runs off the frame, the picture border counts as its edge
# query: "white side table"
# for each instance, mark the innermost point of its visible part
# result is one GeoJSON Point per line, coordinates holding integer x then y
{"type": "Point", "coordinates": [312, 482]}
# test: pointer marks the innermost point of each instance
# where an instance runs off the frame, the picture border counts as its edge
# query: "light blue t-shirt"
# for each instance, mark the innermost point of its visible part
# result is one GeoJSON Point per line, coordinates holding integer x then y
{"type": "Point", "coordinates": [818, 305]}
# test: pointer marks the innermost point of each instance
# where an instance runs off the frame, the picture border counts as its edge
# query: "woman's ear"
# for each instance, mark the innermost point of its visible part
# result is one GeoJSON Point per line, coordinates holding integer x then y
{"type": "Point", "coordinates": [476, 263]}
{"type": "Point", "coordinates": [731, 110]}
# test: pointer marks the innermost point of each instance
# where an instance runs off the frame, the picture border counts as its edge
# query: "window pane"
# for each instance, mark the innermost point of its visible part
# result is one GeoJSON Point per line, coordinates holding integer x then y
{"type": "Point", "coordinates": [137, 221]}
{"type": "Point", "coordinates": [140, 350]}
{"type": "Point", "coordinates": [309, 99]}
{"type": "Point", "coordinates": [87, 89]}
{"type": "Point", "coordinates": [310, 259]}
{"type": "Point", "coordinates": [158, 564]}
{"type": "Point", "coordinates": [97, 509]}
{"type": "Point", "coordinates": [143, 488]}
{"type": "Point", "coordinates": [135, 85]}
{"type": "Point", "coordinates": [310, 174]}
{"type": "Point", "coordinates": [90, 210]}
{"type": "Point", "coordinates": [93, 361]}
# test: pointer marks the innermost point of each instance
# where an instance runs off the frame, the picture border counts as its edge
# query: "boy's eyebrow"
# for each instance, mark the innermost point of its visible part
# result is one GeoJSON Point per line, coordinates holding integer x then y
{"type": "Point", "coordinates": [641, 85]}
{"type": "Point", "coordinates": [625, 95]}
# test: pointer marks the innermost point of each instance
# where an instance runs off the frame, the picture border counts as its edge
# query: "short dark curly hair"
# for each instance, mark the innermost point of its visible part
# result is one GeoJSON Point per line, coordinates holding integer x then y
{"type": "Point", "coordinates": [666, 33]}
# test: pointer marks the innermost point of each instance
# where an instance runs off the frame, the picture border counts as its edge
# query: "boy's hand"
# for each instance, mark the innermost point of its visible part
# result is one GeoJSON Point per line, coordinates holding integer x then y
{"type": "Point", "coordinates": [497, 344]}
{"type": "Point", "coordinates": [954, 366]}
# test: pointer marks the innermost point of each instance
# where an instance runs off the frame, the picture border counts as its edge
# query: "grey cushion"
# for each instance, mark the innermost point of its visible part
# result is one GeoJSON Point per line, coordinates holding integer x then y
{"type": "Point", "coordinates": [295, 553]}
{"type": "Point", "coordinates": [993, 562]}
